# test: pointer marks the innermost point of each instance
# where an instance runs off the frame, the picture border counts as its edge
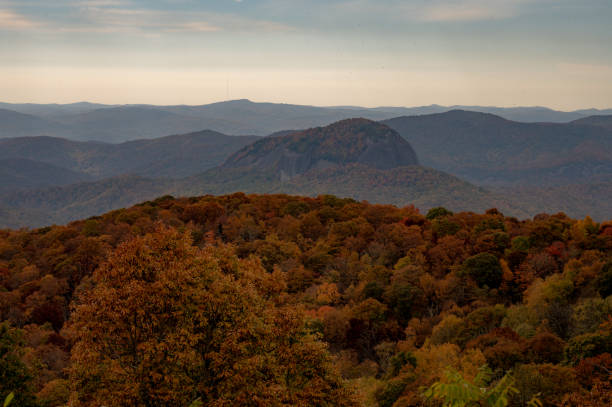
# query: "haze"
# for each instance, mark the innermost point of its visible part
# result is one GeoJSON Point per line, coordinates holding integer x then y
{"type": "Point", "coordinates": [335, 52]}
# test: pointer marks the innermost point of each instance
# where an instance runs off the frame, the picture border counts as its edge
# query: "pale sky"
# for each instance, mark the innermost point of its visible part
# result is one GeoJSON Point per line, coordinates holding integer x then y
{"type": "Point", "coordinates": [555, 53]}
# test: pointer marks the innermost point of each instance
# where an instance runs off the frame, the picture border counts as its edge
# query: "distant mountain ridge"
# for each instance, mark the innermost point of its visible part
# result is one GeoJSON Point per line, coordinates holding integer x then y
{"type": "Point", "coordinates": [490, 150]}
{"type": "Point", "coordinates": [117, 123]}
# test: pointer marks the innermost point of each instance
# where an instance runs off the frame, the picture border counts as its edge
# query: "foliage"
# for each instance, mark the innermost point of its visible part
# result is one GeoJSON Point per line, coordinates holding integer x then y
{"type": "Point", "coordinates": [456, 391]}
{"type": "Point", "coordinates": [438, 212]}
{"type": "Point", "coordinates": [485, 269]}
{"type": "Point", "coordinates": [256, 289]}
{"type": "Point", "coordinates": [166, 323]}
{"type": "Point", "coordinates": [15, 377]}
{"type": "Point", "coordinates": [604, 285]}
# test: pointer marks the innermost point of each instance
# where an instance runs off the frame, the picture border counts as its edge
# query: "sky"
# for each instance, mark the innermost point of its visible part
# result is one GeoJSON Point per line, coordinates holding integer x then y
{"type": "Point", "coordinates": [555, 53]}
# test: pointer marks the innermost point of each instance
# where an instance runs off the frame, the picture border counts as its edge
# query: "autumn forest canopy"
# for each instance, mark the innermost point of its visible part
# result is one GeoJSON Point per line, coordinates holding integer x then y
{"type": "Point", "coordinates": [278, 300]}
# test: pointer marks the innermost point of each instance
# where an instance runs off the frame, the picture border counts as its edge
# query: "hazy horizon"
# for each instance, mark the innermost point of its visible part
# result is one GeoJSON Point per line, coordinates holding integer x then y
{"type": "Point", "coordinates": [552, 53]}
{"type": "Point", "coordinates": [303, 104]}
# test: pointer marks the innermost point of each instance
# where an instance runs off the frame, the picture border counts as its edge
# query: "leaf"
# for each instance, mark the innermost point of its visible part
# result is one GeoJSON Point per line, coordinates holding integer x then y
{"type": "Point", "coordinates": [8, 399]}
{"type": "Point", "coordinates": [196, 403]}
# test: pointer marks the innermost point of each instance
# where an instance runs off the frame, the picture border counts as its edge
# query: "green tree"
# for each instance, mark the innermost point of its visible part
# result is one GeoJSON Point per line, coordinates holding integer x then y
{"type": "Point", "coordinates": [438, 212]}
{"type": "Point", "coordinates": [14, 375]}
{"type": "Point", "coordinates": [456, 391]}
{"type": "Point", "coordinates": [485, 269]}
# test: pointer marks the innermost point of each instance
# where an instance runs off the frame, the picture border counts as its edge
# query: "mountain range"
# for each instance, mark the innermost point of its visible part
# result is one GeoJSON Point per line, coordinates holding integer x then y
{"type": "Point", "coordinates": [489, 150]}
{"type": "Point", "coordinates": [167, 157]}
{"type": "Point", "coordinates": [117, 123]}
{"type": "Point", "coordinates": [358, 157]}
{"type": "Point", "coordinates": [459, 159]}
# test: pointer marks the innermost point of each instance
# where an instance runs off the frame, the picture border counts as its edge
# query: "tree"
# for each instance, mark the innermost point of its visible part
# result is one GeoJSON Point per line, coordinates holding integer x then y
{"type": "Point", "coordinates": [438, 212]}
{"type": "Point", "coordinates": [485, 269]}
{"type": "Point", "coordinates": [548, 382]}
{"type": "Point", "coordinates": [604, 282]}
{"type": "Point", "coordinates": [15, 379]}
{"type": "Point", "coordinates": [590, 344]}
{"type": "Point", "coordinates": [166, 323]}
{"type": "Point", "coordinates": [456, 391]}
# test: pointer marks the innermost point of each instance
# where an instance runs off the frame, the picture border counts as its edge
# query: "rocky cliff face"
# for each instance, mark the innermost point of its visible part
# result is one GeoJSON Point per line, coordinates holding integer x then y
{"type": "Point", "coordinates": [350, 141]}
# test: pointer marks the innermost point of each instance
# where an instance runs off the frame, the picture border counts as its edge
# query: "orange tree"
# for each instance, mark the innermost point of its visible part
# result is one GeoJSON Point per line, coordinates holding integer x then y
{"type": "Point", "coordinates": [166, 323]}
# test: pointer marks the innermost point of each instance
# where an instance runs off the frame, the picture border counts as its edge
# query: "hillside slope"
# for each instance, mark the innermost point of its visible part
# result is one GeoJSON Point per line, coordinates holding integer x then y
{"type": "Point", "coordinates": [20, 173]}
{"type": "Point", "coordinates": [15, 124]}
{"type": "Point", "coordinates": [61, 204]}
{"type": "Point", "coordinates": [604, 121]}
{"type": "Point", "coordinates": [423, 187]}
{"type": "Point", "coordinates": [172, 156]}
{"type": "Point", "coordinates": [487, 149]}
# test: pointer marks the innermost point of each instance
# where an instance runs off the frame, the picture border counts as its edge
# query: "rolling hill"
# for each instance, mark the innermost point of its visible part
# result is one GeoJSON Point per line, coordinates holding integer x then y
{"type": "Point", "coordinates": [60, 204]}
{"type": "Point", "coordinates": [21, 173]}
{"type": "Point", "coordinates": [119, 124]}
{"type": "Point", "coordinates": [581, 199]}
{"type": "Point", "coordinates": [171, 157]}
{"type": "Point", "coordinates": [489, 150]}
{"type": "Point", "coordinates": [423, 187]}
{"type": "Point", "coordinates": [15, 124]}
{"type": "Point", "coordinates": [604, 121]}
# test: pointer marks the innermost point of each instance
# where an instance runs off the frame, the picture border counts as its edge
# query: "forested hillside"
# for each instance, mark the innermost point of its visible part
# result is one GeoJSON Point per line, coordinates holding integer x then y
{"type": "Point", "coordinates": [21, 173]}
{"type": "Point", "coordinates": [345, 142]}
{"type": "Point", "coordinates": [488, 150]}
{"type": "Point", "coordinates": [286, 300]}
{"type": "Point", "coordinates": [169, 157]}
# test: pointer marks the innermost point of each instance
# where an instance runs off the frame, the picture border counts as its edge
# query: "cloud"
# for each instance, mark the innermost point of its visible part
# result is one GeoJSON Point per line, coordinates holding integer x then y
{"type": "Point", "coordinates": [10, 20]}
{"type": "Point", "coordinates": [469, 11]}
{"type": "Point", "coordinates": [125, 16]}
{"type": "Point", "coordinates": [424, 10]}
{"type": "Point", "coordinates": [147, 18]}
{"type": "Point", "coordinates": [99, 3]}
{"type": "Point", "coordinates": [125, 19]}
{"type": "Point", "coordinates": [192, 26]}
{"type": "Point", "coordinates": [172, 21]}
